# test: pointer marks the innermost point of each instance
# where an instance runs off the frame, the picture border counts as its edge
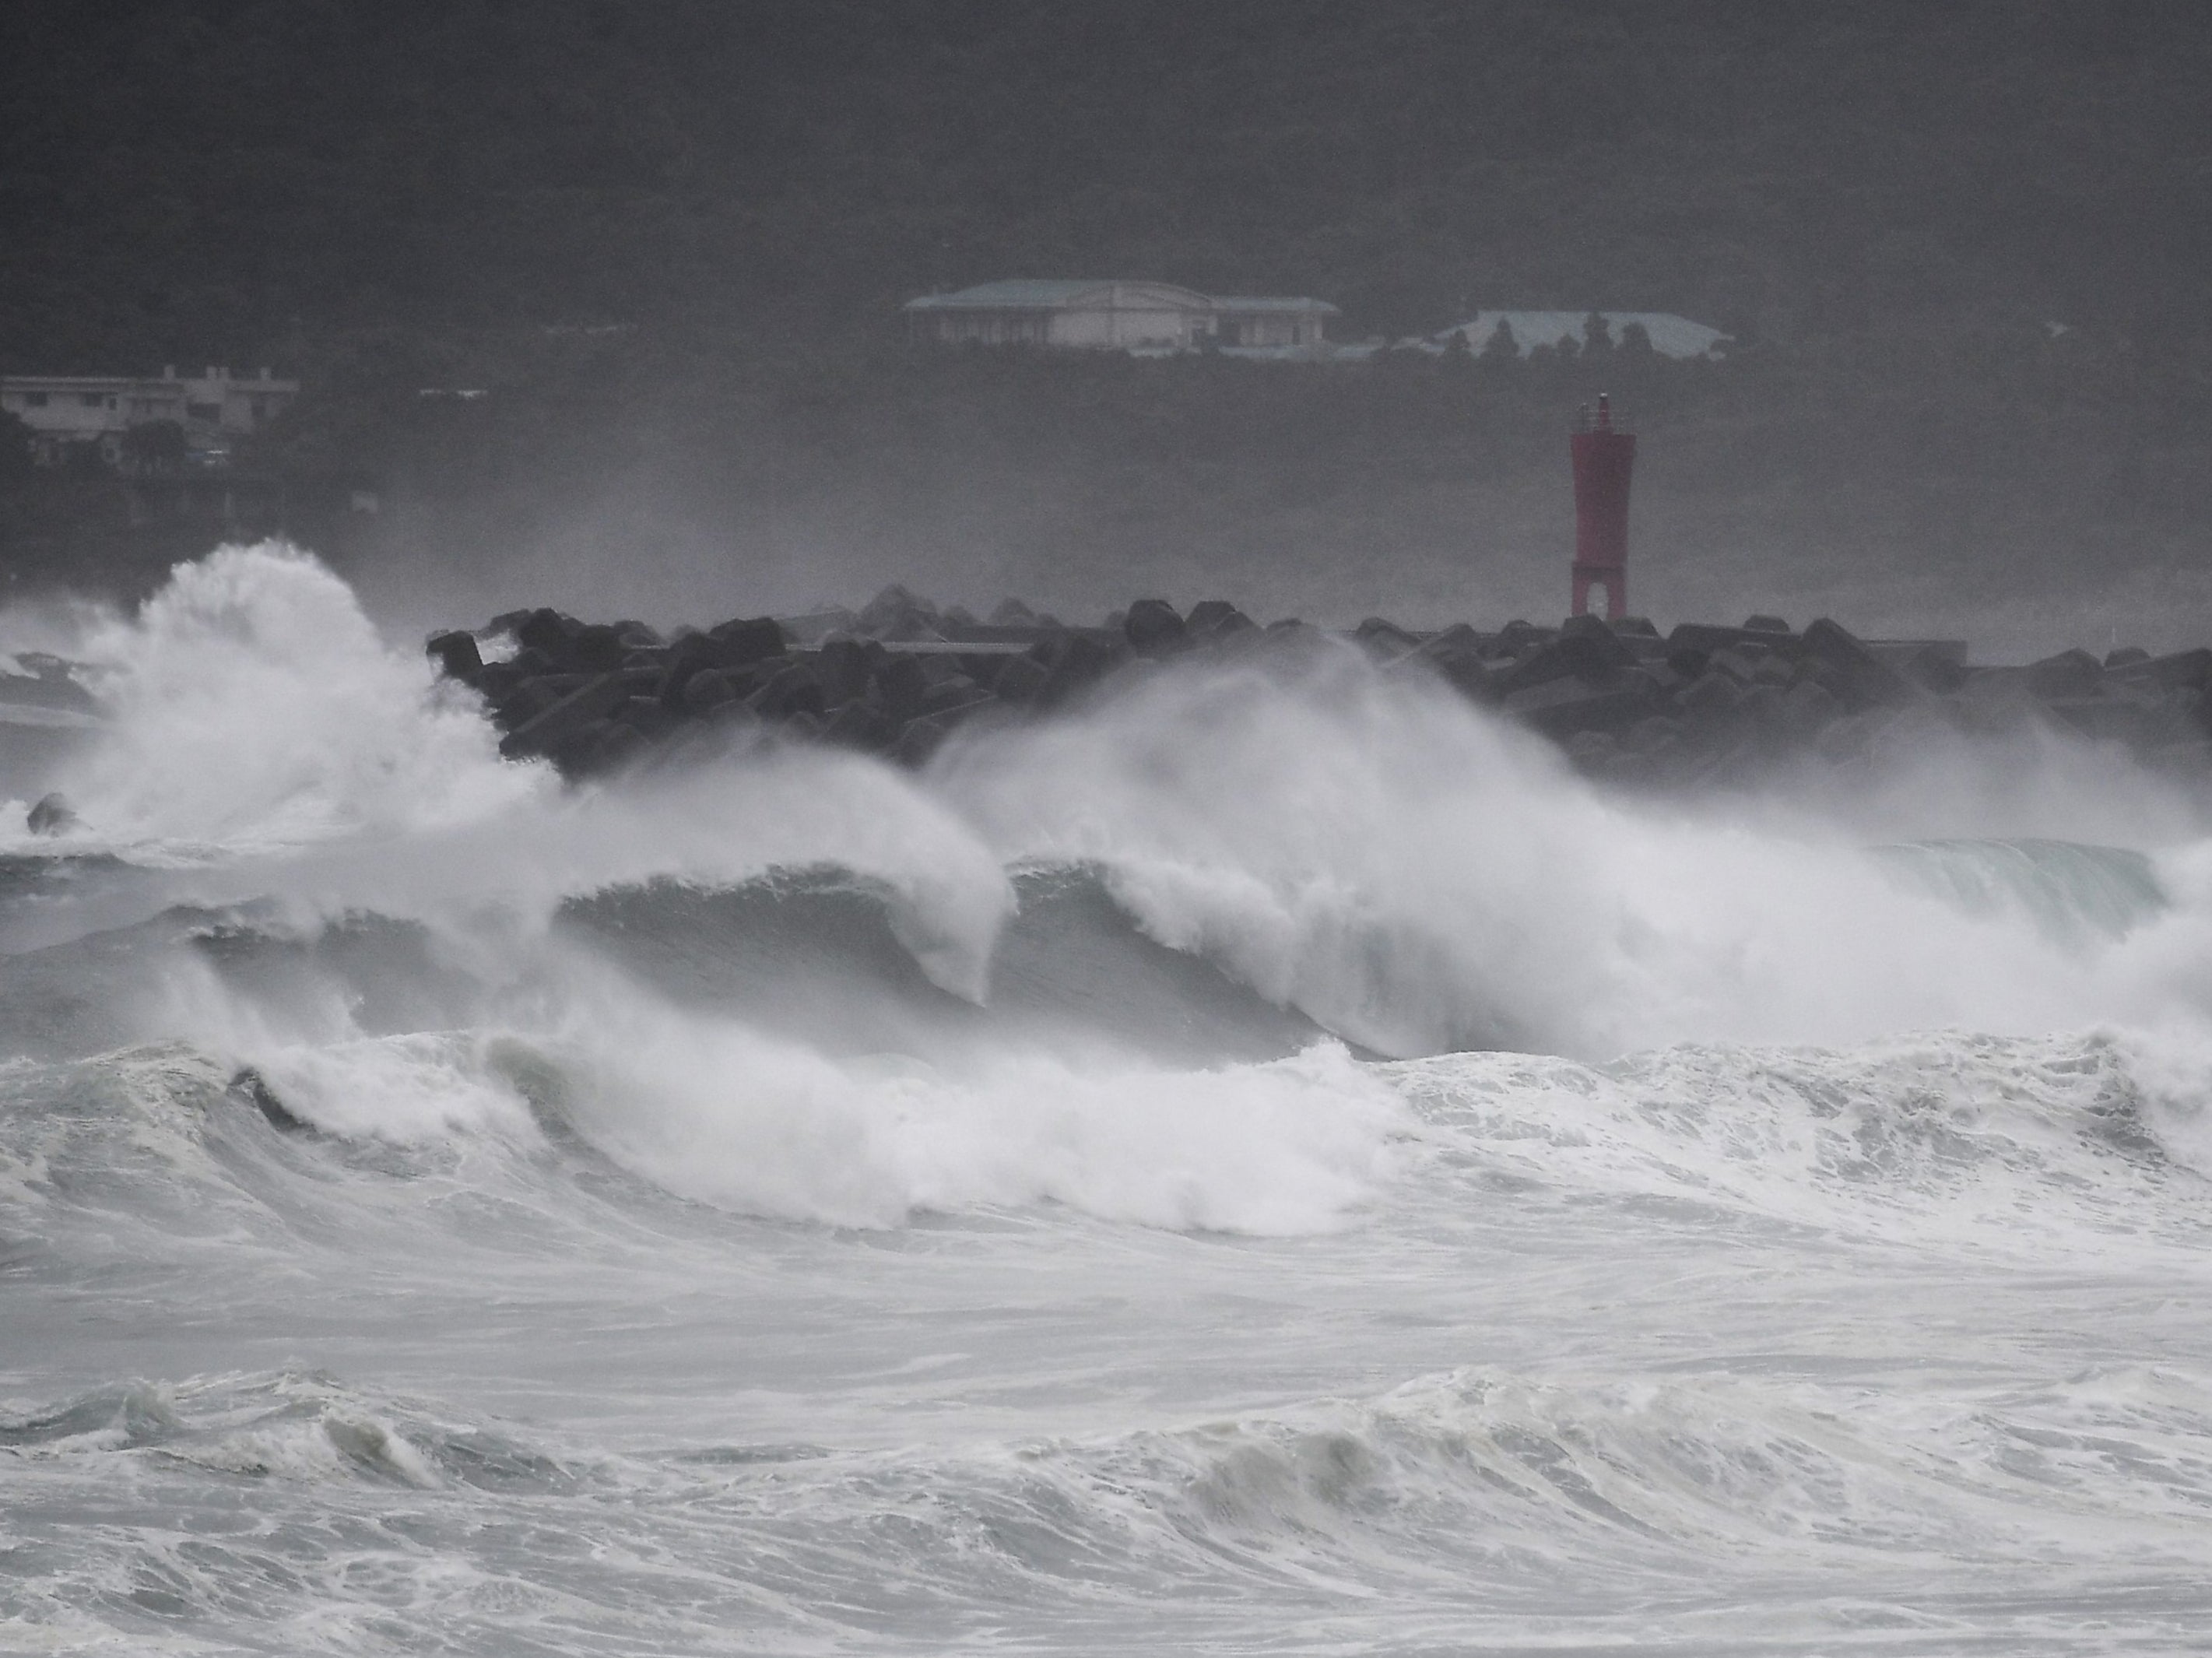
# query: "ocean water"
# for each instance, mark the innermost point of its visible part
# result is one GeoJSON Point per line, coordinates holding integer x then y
{"type": "Point", "coordinates": [1268, 1161]}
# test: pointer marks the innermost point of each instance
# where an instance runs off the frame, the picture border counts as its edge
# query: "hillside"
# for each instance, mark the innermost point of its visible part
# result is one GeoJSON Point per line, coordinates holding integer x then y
{"type": "Point", "coordinates": [1886, 205]}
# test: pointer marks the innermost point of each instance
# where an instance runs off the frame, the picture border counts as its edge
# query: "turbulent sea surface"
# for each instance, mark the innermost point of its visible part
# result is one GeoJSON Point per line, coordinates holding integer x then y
{"type": "Point", "coordinates": [1266, 1163]}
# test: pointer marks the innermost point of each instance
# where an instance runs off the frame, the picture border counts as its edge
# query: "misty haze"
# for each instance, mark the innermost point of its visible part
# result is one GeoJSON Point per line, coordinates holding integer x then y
{"type": "Point", "coordinates": [927, 826]}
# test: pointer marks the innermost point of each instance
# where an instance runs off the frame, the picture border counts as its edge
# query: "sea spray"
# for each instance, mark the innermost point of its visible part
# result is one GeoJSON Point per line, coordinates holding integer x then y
{"type": "Point", "coordinates": [252, 703]}
{"type": "Point", "coordinates": [1416, 877]}
{"type": "Point", "coordinates": [1406, 871]}
{"type": "Point", "coordinates": [804, 1203]}
{"type": "Point", "coordinates": [727, 1112]}
{"type": "Point", "coordinates": [728, 1115]}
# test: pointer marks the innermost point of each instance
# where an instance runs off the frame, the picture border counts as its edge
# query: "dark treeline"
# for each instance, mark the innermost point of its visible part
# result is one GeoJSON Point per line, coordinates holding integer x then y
{"type": "Point", "coordinates": [670, 238]}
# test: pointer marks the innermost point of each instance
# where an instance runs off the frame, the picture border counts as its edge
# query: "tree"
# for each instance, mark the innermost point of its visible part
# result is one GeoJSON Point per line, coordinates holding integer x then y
{"type": "Point", "coordinates": [1635, 344]}
{"type": "Point", "coordinates": [1597, 336]}
{"type": "Point", "coordinates": [153, 446]}
{"type": "Point", "coordinates": [1501, 346]}
{"type": "Point", "coordinates": [15, 456]}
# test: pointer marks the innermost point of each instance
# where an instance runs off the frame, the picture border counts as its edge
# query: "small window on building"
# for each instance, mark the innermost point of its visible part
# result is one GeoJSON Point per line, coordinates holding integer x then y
{"type": "Point", "coordinates": [207, 411]}
{"type": "Point", "coordinates": [89, 399]}
{"type": "Point", "coordinates": [34, 399]}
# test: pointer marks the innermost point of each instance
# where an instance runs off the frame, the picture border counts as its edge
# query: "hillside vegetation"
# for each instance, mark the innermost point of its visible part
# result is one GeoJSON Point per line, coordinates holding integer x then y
{"type": "Point", "coordinates": [670, 238]}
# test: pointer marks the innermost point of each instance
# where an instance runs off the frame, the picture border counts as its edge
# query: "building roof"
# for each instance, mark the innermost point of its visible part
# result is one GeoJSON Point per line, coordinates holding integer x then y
{"type": "Point", "coordinates": [135, 382]}
{"type": "Point", "coordinates": [1671, 335]}
{"type": "Point", "coordinates": [1262, 302]}
{"type": "Point", "coordinates": [1030, 294]}
{"type": "Point", "coordinates": [1025, 294]}
{"type": "Point", "coordinates": [112, 382]}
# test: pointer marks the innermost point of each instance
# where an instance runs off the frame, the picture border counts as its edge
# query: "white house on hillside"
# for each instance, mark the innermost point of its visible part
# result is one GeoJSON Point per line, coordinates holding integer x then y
{"type": "Point", "coordinates": [64, 411]}
{"type": "Point", "coordinates": [1671, 335]}
{"type": "Point", "coordinates": [1116, 316]}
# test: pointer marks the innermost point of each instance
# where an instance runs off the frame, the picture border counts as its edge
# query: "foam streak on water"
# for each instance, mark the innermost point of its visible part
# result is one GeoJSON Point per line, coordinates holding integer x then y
{"type": "Point", "coordinates": [1269, 1161]}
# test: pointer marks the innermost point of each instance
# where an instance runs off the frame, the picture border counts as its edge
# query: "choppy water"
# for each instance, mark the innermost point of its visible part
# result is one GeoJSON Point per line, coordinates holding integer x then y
{"type": "Point", "coordinates": [1270, 1162]}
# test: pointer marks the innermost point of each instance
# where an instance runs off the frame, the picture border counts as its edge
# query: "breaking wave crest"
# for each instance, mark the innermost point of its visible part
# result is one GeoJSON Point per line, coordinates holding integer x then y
{"type": "Point", "coordinates": [1267, 1158]}
{"type": "Point", "coordinates": [1111, 960]}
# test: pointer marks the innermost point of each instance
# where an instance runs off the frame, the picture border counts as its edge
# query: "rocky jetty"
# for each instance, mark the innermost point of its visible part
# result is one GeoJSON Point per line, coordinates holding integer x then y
{"type": "Point", "coordinates": [1702, 705]}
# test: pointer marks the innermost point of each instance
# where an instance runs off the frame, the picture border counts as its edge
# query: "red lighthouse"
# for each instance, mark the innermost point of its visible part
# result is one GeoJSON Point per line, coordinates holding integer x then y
{"type": "Point", "coordinates": [1604, 457]}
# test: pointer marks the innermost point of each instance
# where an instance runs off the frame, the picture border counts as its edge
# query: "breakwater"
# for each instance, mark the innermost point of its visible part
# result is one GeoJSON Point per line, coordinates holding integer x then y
{"type": "Point", "coordinates": [1704, 704]}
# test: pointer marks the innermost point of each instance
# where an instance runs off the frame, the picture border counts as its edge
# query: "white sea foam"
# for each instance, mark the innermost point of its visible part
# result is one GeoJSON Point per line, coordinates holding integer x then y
{"type": "Point", "coordinates": [1411, 872]}
{"type": "Point", "coordinates": [407, 1088]}
{"type": "Point", "coordinates": [263, 737]}
{"type": "Point", "coordinates": [1808, 1325]}
{"type": "Point", "coordinates": [732, 1115]}
{"type": "Point", "coordinates": [2089, 1145]}
{"type": "Point", "coordinates": [1419, 876]}
{"type": "Point", "coordinates": [251, 704]}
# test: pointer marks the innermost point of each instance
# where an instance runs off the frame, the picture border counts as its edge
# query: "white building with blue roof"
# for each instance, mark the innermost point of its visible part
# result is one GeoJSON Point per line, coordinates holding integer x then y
{"type": "Point", "coordinates": [1117, 316]}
